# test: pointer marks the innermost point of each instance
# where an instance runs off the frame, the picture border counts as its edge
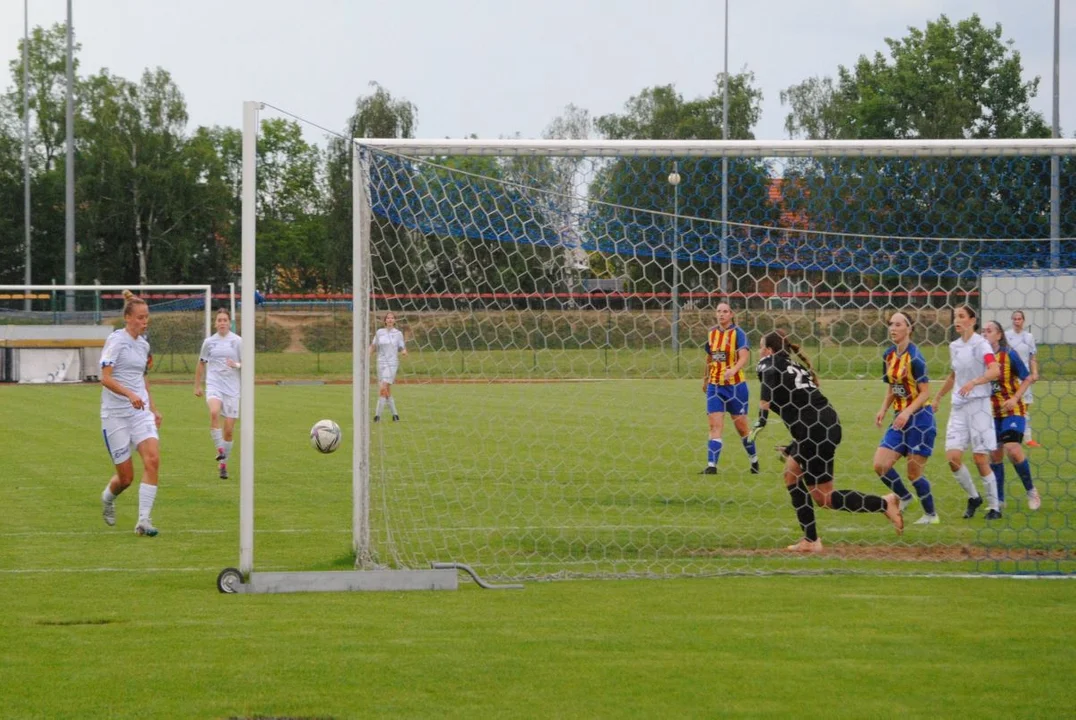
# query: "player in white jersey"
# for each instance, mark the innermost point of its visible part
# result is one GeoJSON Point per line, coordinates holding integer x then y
{"type": "Point", "coordinates": [971, 421]}
{"type": "Point", "coordinates": [389, 345]}
{"type": "Point", "coordinates": [220, 357]}
{"type": "Point", "coordinates": [1023, 343]}
{"type": "Point", "coordinates": [129, 418]}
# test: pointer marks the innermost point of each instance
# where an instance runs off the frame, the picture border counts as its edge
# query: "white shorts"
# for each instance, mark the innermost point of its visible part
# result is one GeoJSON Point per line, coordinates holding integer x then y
{"type": "Point", "coordinates": [1028, 397]}
{"type": "Point", "coordinates": [229, 404]}
{"type": "Point", "coordinates": [124, 434]}
{"type": "Point", "coordinates": [971, 424]}
{"type": "Point", "coordinates": [386, 373]}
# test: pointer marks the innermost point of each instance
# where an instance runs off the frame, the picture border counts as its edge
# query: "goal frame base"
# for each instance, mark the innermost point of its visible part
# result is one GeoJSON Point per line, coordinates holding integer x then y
{"type": "Point", "coordinates": [348, 581]}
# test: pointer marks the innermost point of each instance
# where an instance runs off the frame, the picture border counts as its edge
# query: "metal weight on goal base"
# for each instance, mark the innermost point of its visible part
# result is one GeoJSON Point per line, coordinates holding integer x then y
{"type": "Point", "coordinates": [440, 576]}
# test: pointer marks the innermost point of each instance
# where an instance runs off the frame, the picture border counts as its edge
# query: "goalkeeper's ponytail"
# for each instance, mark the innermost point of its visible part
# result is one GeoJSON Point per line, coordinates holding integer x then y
{"type": "Point", "coordinates": [778, 341]}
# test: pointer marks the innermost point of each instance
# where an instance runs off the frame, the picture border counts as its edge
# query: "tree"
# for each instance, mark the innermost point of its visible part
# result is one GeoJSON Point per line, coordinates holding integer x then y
{"type": "Point", "coordinates": [47, 100]}
{"type": "Point", "coordinates": [378, 114]}
{"type": "Point", "coordinates": [291, 201]}
{"type": "Point", "coordinates": [640, 225]}
{"type": "Point", "coordinates": [945, 81]}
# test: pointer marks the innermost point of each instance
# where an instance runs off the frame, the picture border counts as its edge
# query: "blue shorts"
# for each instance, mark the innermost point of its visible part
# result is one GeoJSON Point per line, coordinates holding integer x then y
{"type": "Point", "coordinates": [726, 398]}
{"type": "Point", "coordinates": [917, 437]}
{"type": "Point", "coordinates": [1010, 429]}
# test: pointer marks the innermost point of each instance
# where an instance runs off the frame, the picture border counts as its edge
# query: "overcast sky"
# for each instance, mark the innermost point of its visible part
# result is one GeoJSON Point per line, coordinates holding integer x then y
{"type": "Point", "coordinates": [500, 67]}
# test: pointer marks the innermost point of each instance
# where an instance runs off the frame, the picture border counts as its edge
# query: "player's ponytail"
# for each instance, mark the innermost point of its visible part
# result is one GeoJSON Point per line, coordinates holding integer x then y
{"type": "Point", "coordinates": [130, 300]}
{"type": "Point", "coordinates": [778, 341]}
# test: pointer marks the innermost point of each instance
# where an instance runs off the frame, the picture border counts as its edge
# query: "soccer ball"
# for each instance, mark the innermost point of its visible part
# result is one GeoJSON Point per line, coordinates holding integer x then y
{"type": "Point", "coordinates": [325, 436]}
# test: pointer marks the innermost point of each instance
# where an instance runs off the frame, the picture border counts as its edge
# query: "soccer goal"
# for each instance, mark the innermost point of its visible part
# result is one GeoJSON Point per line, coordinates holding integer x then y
{"type": "Point", "coordinates": [555, 297]}
{"type": "Point", "coordinates": [48, 339]}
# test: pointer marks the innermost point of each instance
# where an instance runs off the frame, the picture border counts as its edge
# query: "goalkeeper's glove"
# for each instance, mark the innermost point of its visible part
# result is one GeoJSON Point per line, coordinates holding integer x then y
{"type": "Point", "coordinates": [758, 426]}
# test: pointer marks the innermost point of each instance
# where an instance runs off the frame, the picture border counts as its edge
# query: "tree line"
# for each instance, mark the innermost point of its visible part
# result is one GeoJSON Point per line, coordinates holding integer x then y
{"type": "Point", "coordinates": [158, 201]}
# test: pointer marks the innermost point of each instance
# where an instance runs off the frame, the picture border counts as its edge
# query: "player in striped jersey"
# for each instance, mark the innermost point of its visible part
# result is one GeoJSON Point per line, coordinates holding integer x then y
{"type": "Point", "coordinates": [1023, 342]}
{"type": "Point", "coordinates": [912, 432]}
{"type": "Point", "coordinates": [725, 387]}
{"type": "Point", "coordinates": [1010, 413]}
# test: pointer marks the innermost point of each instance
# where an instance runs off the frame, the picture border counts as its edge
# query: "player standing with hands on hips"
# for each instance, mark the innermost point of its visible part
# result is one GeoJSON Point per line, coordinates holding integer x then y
{"type": "Point", "coordinates": [220, 357]}
{"type": "Point", "coordinates": [129, 418]}
{"type": "Point", "coordinates": [389, 344]}
{"type": "Point", "coordinates": [971, 421]}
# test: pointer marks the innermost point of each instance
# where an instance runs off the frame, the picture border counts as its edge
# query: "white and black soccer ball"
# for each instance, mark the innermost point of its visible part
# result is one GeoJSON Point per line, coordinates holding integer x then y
{"type": "Point", "coordinates": [325, 436]}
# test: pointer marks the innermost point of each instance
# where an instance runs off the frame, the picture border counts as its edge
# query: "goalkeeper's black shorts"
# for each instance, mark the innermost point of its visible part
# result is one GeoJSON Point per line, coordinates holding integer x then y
{"type": "Point", "coordinates": [815, 446]}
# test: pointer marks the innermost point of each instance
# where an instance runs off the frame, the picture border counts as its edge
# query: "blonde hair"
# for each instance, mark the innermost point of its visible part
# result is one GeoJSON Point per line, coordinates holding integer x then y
{"type": "Point", "coordinates": [129, 302]}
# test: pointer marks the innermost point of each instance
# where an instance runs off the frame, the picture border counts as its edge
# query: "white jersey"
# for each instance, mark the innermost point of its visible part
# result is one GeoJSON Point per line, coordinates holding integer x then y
{"type": "Point", "coordinates": [1024, 345]}
{"type": "Point", "coordinates": [388, 343]}
{"type": "Point", "coordinates": [968, 361]}
{"type": "Point", "coordinates": [129, 359]}
{"type": "Point", "coordinates": [216, 351]}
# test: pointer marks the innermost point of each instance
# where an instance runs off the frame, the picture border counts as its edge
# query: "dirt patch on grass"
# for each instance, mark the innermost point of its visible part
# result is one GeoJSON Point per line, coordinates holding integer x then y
{"type": "Point", "coordinates": [899, 553]}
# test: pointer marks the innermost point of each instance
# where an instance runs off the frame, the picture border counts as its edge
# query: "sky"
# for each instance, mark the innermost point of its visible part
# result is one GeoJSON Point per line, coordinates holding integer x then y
{"type": "Point", "coordinates": [496, 68]}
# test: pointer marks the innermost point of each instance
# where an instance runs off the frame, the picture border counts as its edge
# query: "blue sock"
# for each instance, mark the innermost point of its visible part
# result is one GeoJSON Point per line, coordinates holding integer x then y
{"type": "Point", "coordinates": [713, 453]}
{"type": "Point", "coordinates": [752, 451]}
{"type": "Point", "coordinates": [1024, 471]}
{"type": "Point", "coordinates": [999, 475]}
{"type": "Point", "coordinates": [893, 482]}
{"type": "Point", "coordinates": [922, 489]}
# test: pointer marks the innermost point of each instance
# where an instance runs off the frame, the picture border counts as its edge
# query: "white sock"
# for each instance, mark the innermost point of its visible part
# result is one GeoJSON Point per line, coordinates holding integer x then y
{"type": "Point", "coordinates": [380, 406]}
{"type": "Point", "coordinates": [107, 495]}
{"type": "Point", "coordinates": [392, 406]}
{"type": "Point", "coordinates": [146, 495]}
{"type": "Point", "coordinates": [964, 478]}
{"type": "Point", "coordinates": [990, 484]}
{"type": "Point", "coordinates": [1027, 428]}
{"type": "Point", "coordinates": [218, 438]}
{"type": "Point", "coordinates": [227, 449]}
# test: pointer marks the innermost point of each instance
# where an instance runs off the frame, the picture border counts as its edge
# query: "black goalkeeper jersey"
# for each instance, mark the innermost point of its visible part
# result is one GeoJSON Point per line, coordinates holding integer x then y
{"type": "Point", "coordinates": [792, 393]}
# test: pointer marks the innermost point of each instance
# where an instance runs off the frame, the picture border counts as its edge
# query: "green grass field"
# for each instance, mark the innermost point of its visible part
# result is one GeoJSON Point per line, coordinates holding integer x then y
{"type": "Point", "coordinates": [584, 478]}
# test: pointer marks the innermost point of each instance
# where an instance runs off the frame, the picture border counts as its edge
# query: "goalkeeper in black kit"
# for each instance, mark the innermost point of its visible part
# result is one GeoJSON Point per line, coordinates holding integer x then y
{"type": "Point", "coordinates": [791, 390]}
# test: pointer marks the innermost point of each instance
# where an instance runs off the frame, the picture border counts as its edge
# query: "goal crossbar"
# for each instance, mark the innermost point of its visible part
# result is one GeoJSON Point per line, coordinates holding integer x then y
{"type": "Point", "coordinates": [725, 148]}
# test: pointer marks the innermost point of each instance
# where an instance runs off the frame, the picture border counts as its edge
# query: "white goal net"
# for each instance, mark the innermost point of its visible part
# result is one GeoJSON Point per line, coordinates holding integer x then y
{"type": "Point", "coordinates": [556, 298]}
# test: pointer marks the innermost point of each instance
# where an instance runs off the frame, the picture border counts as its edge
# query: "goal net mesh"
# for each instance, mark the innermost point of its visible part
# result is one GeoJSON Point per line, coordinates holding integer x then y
{"type": "Point", "coordinates": [556, 308]}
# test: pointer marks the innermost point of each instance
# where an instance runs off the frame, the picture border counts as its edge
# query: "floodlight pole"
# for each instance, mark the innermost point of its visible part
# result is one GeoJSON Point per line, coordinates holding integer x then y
{"type": "Point", "coordinates": [1055, 161]}
{"type": "Point", "coordinates": [69, 181]}
{"type": "Point", "coordinates": [27, 279]}
{"type": "Point", "coordinates": [725, 165]}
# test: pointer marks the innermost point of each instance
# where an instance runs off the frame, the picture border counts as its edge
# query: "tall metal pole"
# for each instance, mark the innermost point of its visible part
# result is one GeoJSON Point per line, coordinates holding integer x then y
{"type": "Point", "coordinates": [1055, 161]}
{"type": "Point", "coordinates": [69, 195]}
{"type": "Point", "coordinates": [725, 165]}
{"type": "Point", "coordinates": [27, 274]}
{"type": "Point", "coordinates": [674, 180]}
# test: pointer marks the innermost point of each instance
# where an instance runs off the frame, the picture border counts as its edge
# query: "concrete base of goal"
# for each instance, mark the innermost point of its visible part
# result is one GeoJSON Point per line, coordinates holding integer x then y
{"type": "Point", "coordinates": [348, 580]}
